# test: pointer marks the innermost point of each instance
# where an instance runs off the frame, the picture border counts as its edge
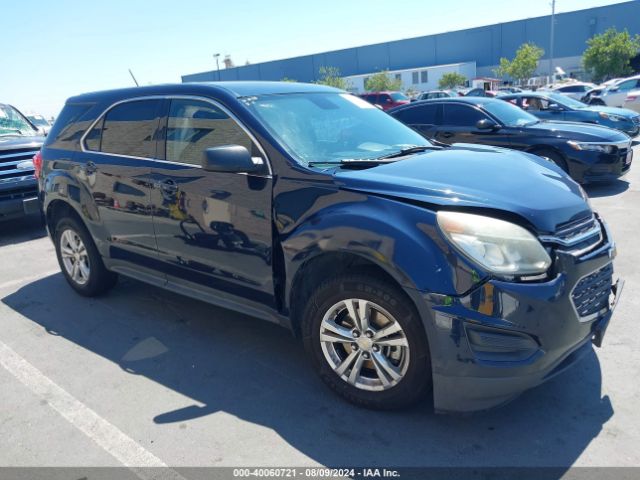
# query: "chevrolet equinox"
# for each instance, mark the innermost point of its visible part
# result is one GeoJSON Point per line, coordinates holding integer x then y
{"type": "Point", "coordinates": [471, 272]}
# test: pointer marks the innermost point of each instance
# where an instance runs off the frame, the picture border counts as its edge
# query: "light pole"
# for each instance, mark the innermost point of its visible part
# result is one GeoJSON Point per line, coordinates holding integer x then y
{"type": "Point", "coordinates": [217, 56]}
{"type": "Point", "coordinates": [553, 28]}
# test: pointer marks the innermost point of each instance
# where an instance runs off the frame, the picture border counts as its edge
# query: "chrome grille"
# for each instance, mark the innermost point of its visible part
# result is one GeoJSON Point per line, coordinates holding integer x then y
{"type": "Point", "coordinates": [590, 296]}
{"type": "Point", "coordinates": [9, 161]}
{"type": "Point", "coordinates": [576, 237]}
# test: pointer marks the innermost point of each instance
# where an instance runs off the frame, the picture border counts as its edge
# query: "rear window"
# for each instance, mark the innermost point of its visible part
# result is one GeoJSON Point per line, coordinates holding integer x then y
{"type": "Point", "coordinates": [129, 129]}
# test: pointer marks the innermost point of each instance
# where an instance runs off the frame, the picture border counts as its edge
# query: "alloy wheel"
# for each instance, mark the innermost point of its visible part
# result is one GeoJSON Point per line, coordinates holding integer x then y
{"type": "Point", "coordinates": [364, 344]}
{"type": "Point", "coordinates": [74, 257]}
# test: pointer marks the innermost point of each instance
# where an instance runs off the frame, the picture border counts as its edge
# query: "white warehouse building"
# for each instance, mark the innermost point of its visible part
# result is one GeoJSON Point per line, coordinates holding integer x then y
{"type": "Point", "coordinates": [421, 79]}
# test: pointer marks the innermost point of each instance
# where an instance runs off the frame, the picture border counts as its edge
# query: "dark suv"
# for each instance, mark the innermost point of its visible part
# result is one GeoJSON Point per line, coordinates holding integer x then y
{"type": "Point", "coordinates": [19, 142]}
{"type": "Point", "coordinates": [401, 265]}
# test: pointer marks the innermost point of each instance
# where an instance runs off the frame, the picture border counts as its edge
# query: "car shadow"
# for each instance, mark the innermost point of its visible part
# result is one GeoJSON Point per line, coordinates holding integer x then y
{"type": "Point", "coordinates": [21, 230]}
{"type": "Point", "coordinates": [615, 187]}
{"type": "Point", "coordinates": [256, 371]}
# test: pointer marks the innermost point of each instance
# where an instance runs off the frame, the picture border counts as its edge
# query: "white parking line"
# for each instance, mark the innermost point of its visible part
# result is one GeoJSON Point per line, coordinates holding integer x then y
{"type": "Point", "coordinates": [123, 448]}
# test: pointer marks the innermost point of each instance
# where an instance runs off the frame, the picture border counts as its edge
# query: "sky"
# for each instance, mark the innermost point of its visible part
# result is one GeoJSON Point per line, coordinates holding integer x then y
{"type": "Point", "coordinates": [54, 50]}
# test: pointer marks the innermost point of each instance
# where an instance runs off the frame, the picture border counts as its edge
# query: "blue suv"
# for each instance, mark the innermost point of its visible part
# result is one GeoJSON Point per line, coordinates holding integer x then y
{"type": "Point", "coordinates": [470, 272]}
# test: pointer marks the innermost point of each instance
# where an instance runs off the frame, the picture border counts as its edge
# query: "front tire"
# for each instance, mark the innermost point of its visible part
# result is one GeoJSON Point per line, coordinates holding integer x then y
{"type": "Point", "coordinates": [367, 342]}
{"type": "Point", "coordinates": [79, 259]}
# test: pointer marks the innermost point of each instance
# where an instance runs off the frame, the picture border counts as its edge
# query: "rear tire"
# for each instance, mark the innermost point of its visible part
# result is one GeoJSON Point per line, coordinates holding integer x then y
{"type": "Point", "coordinates": [380, 360]}
{"type": "Point", "coordinates": [79, 259]}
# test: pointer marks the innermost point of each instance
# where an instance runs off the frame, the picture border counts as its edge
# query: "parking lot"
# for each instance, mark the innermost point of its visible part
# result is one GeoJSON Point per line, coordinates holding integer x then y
{"type": "Point", "coordinates": [145, 377]}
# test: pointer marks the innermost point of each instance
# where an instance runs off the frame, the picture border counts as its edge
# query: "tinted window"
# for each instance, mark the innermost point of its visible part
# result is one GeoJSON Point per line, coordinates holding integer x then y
{"type": "Point", "coordinates": [414, 77]}
{"type": "Point", "coordinates": [461, 115]}
{"type": "Point", "coordinates": [424, 76]}
{"type": "Point", "coordinates": [129, 129]}
{"type": "Point", "coordinates": [68, 127]}
{"type": "Point", "coordinates": [418, 115]}
{"type": "Point", "coordinates": [193, 126]}
{"type": "Point", "coordinates": [383, 99]}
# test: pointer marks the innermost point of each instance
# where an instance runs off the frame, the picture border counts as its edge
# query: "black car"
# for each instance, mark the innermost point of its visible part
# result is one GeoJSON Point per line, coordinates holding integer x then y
{"type": "Point", "coordinates": [19, 142]}
{"type": "Point", "coordinates": [588, 153]}
{"type": "Point", "coordinates": [402, 266]}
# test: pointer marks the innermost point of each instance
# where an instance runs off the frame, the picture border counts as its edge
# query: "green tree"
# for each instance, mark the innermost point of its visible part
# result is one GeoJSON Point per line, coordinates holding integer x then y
{"type": "Point", "coordinates": [382, 81]}
{"type": "Point", "coordinates": [452, 80]}
{"type": "Point", "coordinates": [523, 65]}
{"type": "Point", "coordinates": [608, 55]}
{"type": "Point", "coordinates": [331, 76]}
{"type": "Point", "coordinates": [287, 79]}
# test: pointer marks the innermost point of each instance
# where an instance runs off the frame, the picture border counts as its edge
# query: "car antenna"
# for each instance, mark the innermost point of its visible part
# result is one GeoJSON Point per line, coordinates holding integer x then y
{"type": "Point", "coordinates": [134, 78]}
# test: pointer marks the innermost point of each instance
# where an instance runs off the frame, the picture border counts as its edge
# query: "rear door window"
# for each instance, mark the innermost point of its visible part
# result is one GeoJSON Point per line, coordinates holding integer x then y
{"type": "Point", "coordinates": [461, 115]}
{"type": "Point", "coordinates": [130, 129]}
{"type": "Point", "coordinates": [418, 115]}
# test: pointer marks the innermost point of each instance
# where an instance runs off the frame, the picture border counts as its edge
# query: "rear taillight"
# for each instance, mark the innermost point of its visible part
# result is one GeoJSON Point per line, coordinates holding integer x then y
{"type": "Point", "coordinates": [37, 164]}
{"type": "Point", "coordinates": [631, 98]}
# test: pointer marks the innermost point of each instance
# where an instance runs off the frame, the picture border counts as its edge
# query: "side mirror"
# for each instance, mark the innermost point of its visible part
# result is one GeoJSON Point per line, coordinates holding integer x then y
{"type": "Point", "coordinates": [230, 159]}
{"type": "Point", "coordinates": [554, 107]}
{"type": "Point", "coordinates": [486, 124]}
{"type": "Point", "coordinates": [615, 88]}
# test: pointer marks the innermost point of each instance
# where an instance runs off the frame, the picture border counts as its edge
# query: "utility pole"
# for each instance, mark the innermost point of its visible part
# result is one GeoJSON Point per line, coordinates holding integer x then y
{"type": "Point", "coordinates": [217, 56]}
{"type": "Point", "coordinates": [551, 41]}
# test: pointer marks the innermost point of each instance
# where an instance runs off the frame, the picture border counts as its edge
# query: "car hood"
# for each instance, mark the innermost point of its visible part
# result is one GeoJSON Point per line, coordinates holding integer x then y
{"type": "Point", "coordinates": [578, 131]}
{"type": "Point", "coordinates": [467, 175]}
{"type": "Point", "coordinates": [12, 142]}
{"type": "Point", "coordinates": [624, 112]}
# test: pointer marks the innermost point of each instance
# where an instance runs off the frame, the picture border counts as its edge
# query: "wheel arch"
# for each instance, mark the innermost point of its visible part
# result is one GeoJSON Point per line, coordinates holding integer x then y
{"type": "Point", "coordinates": [331, 264]}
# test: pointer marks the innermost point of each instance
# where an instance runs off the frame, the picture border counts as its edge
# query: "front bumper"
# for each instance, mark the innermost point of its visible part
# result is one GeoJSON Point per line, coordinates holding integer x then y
{"type": "Point", "coordinates": [593, 167]}
{"type": "Point", "coordinates": [504, 338]}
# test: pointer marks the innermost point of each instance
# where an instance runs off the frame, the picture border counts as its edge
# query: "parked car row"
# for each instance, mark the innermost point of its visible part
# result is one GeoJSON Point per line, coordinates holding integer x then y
{"type": "Point", "coordinates": [403, 264]}
{"type": "Point", "coordinates": [588, 153]}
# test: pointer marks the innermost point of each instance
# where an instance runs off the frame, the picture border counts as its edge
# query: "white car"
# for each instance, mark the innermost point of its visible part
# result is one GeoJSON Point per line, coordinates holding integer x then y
{"type": "Point", "coordinates": [40, 122]}
{"type": "Point", "coordinates": [575, 90]}
{"type": "Point", "coordinates": [616, 94]}
{"type": "Point", "coordinates": [632, 102]}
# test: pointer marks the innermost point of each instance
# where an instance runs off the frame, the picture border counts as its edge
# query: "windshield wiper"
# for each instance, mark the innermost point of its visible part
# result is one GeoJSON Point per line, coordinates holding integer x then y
{"type": "Point", "coordinates": [409, 151]}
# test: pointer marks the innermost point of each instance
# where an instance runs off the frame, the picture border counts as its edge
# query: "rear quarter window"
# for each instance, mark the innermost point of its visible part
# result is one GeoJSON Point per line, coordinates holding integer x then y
{"type": "Point", "coordinates": [70, 126]}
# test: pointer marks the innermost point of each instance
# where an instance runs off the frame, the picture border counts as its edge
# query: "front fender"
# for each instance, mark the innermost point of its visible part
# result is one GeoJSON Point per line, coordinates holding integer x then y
{"type": "Point", "coordinates": [401, 238]}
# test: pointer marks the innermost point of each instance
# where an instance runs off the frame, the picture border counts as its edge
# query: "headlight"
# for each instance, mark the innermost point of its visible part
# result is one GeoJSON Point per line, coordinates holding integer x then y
{"type": "Point", "coordinates": [591, 147]}
{"type": "Point", "coordinates": [500, 247]}
{"type": "Point", "coordinates": [613, 118]}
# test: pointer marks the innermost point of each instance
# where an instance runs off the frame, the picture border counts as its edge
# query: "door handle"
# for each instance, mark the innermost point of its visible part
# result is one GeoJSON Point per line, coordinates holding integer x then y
{"type": "Point", "coordinates": [167, 186]}
{"type": "Point", "coordinates": [447, 134]}
{"type": "Point", "coordinates": [90, 168]}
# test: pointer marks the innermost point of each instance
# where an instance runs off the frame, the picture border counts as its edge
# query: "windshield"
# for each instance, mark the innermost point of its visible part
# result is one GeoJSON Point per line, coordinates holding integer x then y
{"type": "Point", "coordinates": [13, 123]}
{"type": "Point", "coordinates": [566, 101]}
{"type": "Point", "coordinates": [330, 127]}
{"type": "Point", "coordinates": [508, 114]}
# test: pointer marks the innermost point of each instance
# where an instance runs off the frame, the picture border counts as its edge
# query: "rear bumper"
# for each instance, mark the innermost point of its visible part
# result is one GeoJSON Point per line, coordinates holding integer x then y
{"type": "Point", "coordinates": [504, 338]}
